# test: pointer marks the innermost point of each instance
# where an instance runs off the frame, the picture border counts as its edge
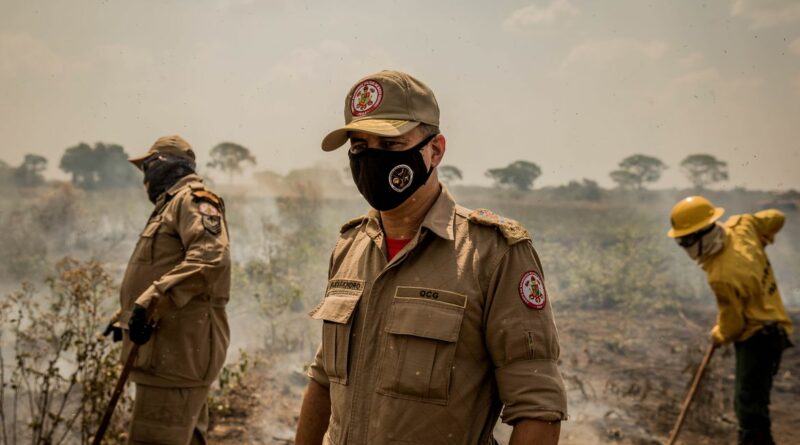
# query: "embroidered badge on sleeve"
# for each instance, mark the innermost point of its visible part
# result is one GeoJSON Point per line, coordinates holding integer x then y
{"type": "Point", "coordinates": [532, 290]}
{"type": "Point", "coordinates": [212, 220]}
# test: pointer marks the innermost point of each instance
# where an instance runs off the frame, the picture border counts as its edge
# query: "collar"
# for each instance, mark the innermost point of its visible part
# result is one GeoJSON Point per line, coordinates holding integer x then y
{"type": "Point", "coordinates": [183, 182]}
{"type": "Point", "coordinates": [439, 219]}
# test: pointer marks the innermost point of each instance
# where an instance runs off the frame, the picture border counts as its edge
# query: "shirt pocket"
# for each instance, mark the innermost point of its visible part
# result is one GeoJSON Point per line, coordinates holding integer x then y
{"type": "Point", "coordinates": [143, 253]}
{"type": "Point", "coordinates": [336, 312]}
{"type": "Point", "coordinates": [421, 336]}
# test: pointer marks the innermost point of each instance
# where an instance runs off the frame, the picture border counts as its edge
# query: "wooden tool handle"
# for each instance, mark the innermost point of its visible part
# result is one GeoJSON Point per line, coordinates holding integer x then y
{"type": "Point", "coordinates": [690, 396]}
{"type": "Point", "coordinates": [112, 404]}
{"type": "Point", "coordinates": [123, 378]}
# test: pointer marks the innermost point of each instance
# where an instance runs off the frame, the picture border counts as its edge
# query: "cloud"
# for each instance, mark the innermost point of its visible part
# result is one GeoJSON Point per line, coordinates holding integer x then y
{"type": "Point", "coordinates": [310, 62]}
{"type": "Point", "coordinates": [250, 7]}
{"type": "Point", "coordinates": [707, 83]}
{"type": "Point", "coordinates": [123, 57]}
{"type": "Point", "coordinates": [794, 47]}
{"type": "Point", "coordinates": [331, 56]}
{"type": "Point", "coordinates": [701, 76]}
{"type": "Point", "coordinates": [692, 60]}
{"type": "Point", "coordinates": [536, 15]}
{"type": "Point", "coordinates": [766, 13]}
{"type": "Point", "coordinates": [613, 50]}
{"type": "Point", "coordinates": [711, 78]}
{"type": "Point", "coordinates": [25, 56]}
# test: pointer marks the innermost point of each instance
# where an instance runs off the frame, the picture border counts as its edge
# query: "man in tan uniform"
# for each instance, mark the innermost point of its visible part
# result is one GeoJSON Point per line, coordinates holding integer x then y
{"type": "Point", "coordinates": [435, 318]}
{"type": "Point", "coordinates": [181, 267]}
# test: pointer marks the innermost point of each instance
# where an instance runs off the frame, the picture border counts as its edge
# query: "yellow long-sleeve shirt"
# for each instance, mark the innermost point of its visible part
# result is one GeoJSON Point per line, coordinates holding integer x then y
{"type": "Point", "coordinates": [742, 279]}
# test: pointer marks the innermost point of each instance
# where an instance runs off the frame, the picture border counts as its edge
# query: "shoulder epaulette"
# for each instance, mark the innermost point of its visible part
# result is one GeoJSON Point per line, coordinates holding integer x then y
{"type": "Point", "coordinates": [511, 230]}
{"type": "Point", "coordinates": [352, 223]}
{"type": "Point", "coordinates": [205, 195]}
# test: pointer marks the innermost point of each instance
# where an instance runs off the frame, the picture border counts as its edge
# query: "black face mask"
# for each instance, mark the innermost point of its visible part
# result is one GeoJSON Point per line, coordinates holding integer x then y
{"type": "Point", "coordinates": [386, 178]}
{"type": "Point", "coordinates": [162, 172]}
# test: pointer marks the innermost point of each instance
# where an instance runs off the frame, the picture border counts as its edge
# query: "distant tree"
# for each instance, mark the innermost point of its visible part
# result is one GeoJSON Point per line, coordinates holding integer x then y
{"type": "Point", "coordinates": [6, 173]}
{"type": "Point", "coordinates": [450, 174]}
{"type": "Point", "coordinates": [113, 168]}
{"type": "Point", "coordinates": [624, 180]}
{"type": "Point", "coordinates": [519, 174]}
{"type": "Point", "coordinates": [270, 180]}
{"type": "Point", "coordinates": [637, 170]}
{"type": "Point", "coordinates": [326, 178]}
{"type": "Point", "coordinates": [229, 157]}
{"type": "Point", "coordinates": [704, 169]}
{"type": "Point", "coordinates": [80, 162]}
{"type": "Point", "coordinates": [584, 190]}
{"type": "Point", "coordinates": [29, 173]}
{"type": "Point", "coordinates": [100, 167]}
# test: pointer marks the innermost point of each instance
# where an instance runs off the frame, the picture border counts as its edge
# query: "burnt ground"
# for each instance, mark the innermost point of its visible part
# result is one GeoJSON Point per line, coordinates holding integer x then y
{"type": "Point", "coordinates": [626, 377]}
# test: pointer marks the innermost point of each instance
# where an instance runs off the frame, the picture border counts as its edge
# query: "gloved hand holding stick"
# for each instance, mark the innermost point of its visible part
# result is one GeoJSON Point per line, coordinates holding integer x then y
{"type": "Point", "coordinates": [140, 329]}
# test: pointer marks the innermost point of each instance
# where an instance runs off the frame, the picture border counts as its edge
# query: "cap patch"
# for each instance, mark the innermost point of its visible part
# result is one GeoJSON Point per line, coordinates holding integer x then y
{"type": "Point", "coordinates": [532, 291]}
{"type": "Point", "coordinates": [366, 98]}
{"type": "Point", "coordinates": [401, 177]}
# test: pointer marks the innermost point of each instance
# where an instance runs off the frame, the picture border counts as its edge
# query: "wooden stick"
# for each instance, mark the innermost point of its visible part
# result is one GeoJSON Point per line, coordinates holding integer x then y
{"type": "Point", "coordinates": [112, 404]}
{"type": "Point", "coordinates": [123, 378]}
{"type": "Point", "coordinates": [692, 391]}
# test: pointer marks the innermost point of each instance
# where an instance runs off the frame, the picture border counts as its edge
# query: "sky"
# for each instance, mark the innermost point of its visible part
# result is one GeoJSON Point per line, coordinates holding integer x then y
{"type": "Point", "coordinates": [572, 85]}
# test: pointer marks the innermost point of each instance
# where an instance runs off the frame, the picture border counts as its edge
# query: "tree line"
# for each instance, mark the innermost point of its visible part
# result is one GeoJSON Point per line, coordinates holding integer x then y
{"type": "Point", "coordinates": [633, 173]}
{"type": "Point", "coordinates": [105, 166]}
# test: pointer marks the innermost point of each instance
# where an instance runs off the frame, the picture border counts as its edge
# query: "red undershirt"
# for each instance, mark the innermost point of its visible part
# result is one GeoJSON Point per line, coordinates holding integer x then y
{"type": "Point", "coordinates": [395, 246]}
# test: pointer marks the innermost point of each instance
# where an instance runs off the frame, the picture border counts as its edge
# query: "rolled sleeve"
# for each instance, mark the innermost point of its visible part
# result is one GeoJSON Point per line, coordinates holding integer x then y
{"type": "Point", "coordinates": [316, 372]}
{"type": "Point", "coordinates": [532, 389]}
{"type": "Point", "coordinates": [522, 340]}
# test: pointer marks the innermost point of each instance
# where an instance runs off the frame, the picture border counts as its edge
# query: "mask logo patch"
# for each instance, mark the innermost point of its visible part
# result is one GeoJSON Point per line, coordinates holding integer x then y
{"type": "Point", "coordinates": [401, 177]}
{"type": "Point", "coordinates": [532, 291]}
{"type": "Point", "coordinates": [366, 98]}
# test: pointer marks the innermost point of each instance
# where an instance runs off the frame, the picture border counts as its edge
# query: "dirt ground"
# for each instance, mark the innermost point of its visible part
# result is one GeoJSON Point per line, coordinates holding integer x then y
{"type": "Point", "coordinates": [626, 377]}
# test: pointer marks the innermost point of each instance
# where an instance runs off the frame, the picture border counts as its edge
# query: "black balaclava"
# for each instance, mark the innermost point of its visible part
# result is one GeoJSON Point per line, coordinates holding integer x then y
{"type": "Point", "coordinates": [386, 178]}
{"type": "Point", "coordinates": [162, 172]}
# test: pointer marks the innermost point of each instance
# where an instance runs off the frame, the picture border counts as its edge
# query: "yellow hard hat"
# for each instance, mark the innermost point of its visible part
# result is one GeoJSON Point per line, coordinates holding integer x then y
{"type": "Point", "coordinates": [692, 214]}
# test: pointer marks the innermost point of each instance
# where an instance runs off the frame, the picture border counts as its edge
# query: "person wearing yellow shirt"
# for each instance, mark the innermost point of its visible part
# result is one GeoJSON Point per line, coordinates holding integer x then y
{"type": "Point", "coordinates": [751, 312]}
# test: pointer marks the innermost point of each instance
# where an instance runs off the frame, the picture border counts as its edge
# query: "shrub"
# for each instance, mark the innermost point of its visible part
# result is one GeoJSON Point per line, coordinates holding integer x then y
{"type": "Point", "coordinates": [61, 370]}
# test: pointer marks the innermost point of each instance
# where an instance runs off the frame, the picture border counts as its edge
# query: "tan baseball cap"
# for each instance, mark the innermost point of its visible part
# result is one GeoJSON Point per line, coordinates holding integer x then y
{"type": "Point", "coordinates": [173, 145]}
{"type": "Point", "coordinates": [387, 103]}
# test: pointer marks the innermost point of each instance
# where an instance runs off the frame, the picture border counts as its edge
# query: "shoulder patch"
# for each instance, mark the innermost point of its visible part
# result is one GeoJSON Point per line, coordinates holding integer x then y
{"type": "Point", "coordinates": [205, 195]}
{"type": "Point", "coordinates": [208, 209]}
{"type": "Point", "coordinates": [352, 223]}
{"type": "Point", "coordinates": [532, 290]}
{"type": "Point", "coordinates": [511, 230]}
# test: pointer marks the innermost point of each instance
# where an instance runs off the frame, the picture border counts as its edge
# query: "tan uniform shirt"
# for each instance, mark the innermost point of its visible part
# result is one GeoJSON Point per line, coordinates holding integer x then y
{"type": "Point", "coordinates": [742, 278]}
{"type": "Point", "coordinates": [183, 257]}
{"type": "Point", "coordinates": [427, 348]}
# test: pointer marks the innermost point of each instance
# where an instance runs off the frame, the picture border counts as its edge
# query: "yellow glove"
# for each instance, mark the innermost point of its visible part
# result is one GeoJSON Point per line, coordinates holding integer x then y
{"type": "Point", "coordinates": [716, 336]}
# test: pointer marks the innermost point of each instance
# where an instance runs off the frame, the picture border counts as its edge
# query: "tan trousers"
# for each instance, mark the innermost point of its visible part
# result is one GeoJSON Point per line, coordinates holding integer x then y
{"type": "Point", "coordinates": [169, 416]}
